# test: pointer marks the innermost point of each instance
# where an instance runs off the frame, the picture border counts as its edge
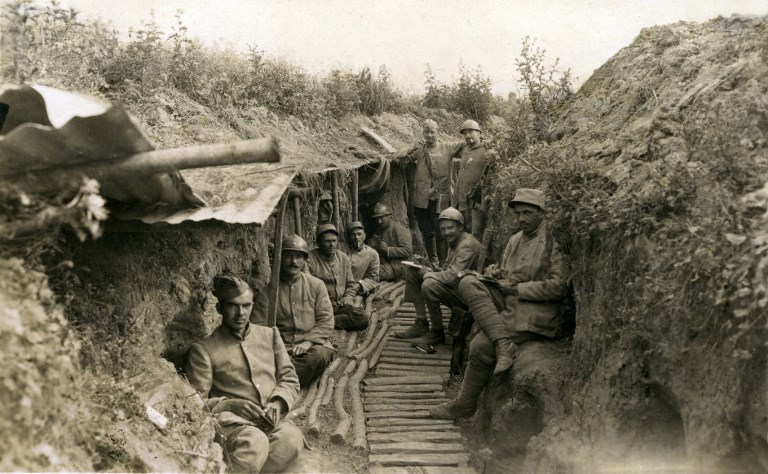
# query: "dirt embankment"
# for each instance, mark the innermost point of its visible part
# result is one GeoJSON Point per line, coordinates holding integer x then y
{"type": "Point", "coordinates": [654, 177]}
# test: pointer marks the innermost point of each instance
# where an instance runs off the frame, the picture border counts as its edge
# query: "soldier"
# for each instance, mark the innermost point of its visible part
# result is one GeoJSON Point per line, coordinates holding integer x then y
{"type": "Point", "coordinates": [334, 268]}
{"type": "Point", "coordinates": [474, 164]}
{"type": "Point", "coordinates": [365, 262]}
{"type": "Point", "coordinates": [440, 286]}
{"type": "Point", "coordinates": [431, 185]}
{"type": "Point", "coordinates": [393, 243]}
{"type": "Point", "coordinates": [244, 374]}
{"type": "Point", "coordinates": [520, 303]}
{"type": "Point", "coordinates": [304, 312]}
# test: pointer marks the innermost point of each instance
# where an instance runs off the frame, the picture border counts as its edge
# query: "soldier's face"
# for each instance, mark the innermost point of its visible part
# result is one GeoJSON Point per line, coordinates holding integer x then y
{"type": "Point", "coordinates": [291, 263]}
{"type": "Point", "coordinates": [235, 312]}
{"type": "Point", "coordinates": [383, 221]}
{"type": "Point", "coordinates": [328, 243]}
{"type": "Point", "coordinates": [528, 217]}
{"type": "Point", "coordinates": [430, 135]}
{"type": "Point", "coordinates": [358, 239]}
{"type": "Point", "coordinates": [450, 230]}
{"type": "Point", "coordinates": [472, 137]}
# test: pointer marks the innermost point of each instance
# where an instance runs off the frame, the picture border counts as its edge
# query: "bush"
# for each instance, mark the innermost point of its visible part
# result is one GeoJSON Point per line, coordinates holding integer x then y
{"type": "Point", "coordinates": [470, 95]}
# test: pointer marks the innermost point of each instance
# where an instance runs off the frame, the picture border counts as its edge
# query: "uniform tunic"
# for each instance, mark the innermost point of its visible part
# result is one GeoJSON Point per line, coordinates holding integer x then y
{"type": "Point", "coordinates": [473, 164]}
{"type": "Point", "coordinates": [365, 267]}
{"type": "Point", "coordinates": [304, 312]}
{"type": "Point", "coordinates": [441, 157]}
{"type": "Point", "coordinates": [256, 368]}
{"type": "Point", "coordinates": [399, 247]}
{"type": "Point", "coordinates": [336, 273]}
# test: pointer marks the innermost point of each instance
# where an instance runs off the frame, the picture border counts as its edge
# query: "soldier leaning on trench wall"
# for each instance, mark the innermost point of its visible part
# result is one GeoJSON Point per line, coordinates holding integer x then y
{"type": "Point", "coordinates": [431, 185]}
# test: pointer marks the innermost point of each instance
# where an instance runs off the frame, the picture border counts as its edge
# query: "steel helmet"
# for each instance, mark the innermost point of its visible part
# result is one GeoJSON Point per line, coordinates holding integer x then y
{"type": "Point", "coordinates": [355, 225]}
{"type": "Point", "coordinates": [381, 209]}
{"type": "Point", "coordinates": [451, 214]}
{"type": "Point", "coordinates": [470, 125]}
{"type": "Point", "coordinates": [294, 242]}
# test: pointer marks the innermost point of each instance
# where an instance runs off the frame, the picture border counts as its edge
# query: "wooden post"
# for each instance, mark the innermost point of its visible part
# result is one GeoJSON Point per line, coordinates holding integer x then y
{"type": "Point", "coordinates": [335, 195]}
{"type": "Point", "coordinates": [276, 255]}
{"type": "Point", "coordinates": [297, 215]}
{"type": "Point", "coordinates": [355, 197]}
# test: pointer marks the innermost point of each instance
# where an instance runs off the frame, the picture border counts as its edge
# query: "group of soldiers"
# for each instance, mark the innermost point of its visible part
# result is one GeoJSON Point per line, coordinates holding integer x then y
{"type": "Point", "coordinates": [250, 374]}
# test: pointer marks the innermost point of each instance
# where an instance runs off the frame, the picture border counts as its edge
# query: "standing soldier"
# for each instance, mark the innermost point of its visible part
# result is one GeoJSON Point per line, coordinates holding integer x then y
{"type": "Point", "coordinates": [474, 164]}
{"type": "Point", "coordinates": [393, 243]}
{"type": "Point", "coordinates": [431, 185]}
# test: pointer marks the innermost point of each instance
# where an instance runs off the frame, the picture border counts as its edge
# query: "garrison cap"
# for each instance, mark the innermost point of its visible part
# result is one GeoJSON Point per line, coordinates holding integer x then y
{"type": "Point", "coordinates": [534, 197]}
{"type": "Point", "coordinates": [227, 287]}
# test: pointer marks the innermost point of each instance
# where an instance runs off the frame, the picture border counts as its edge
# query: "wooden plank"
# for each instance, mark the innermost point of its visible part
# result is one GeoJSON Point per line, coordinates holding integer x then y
{"type": "Point", "coordinates": [415, 436]}
{"type": "Point", "coordinates": [404, 367]}
{"type": "Point", "coordinates": [423, 372]}
{"type": "Point", "coordinates": [446, 459]}
{"type": "Point", "coordinates": [446, 470]}
{"type": "Point", "coordinates": [404, 406]}
{"type": "Point", "coordinates": [404, 388]}
{"type": "Point", "coordinates": [422, 412]}
{"type": "Point", "coordinates": [430, 364]}
{"type": "Point", "coordinates": [406, 395]}
{"type": "Point", "coordinates": [371, 400]}
{"type": "Point", "coordinates": [415, 355]}
{"type": "Point", "coordinates": [442, 427]}
{"type": "Point", "coordinates": [410, 380]}
{"type": "Point", "coordinates": [425, 422]}
{"type": "Point", "coordinates": [415, 447]}
{"type": "Point", "coordinates": [387, 470]}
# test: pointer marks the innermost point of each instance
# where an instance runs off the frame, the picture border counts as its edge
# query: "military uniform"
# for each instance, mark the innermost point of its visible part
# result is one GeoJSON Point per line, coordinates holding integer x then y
{"type": "Point", "coordinates": [399, 247]}
{"type": "Point", "coordinates": [365, 268]}
{"type": "Point", "coordinates": [468, 198]}
{"type": "Point", "coordinates": [304, 313]}
{"type": "Point", "coordinates": [256, 368]}
{"type": "Point", "coordinates": [336, 273]}
{"type": "Point", "coordinates": [431, 188]}
{"type": "Point", "coordinates": [434, 288]}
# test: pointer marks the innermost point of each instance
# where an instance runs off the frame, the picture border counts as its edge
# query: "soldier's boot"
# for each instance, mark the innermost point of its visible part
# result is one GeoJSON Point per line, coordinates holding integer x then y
{"type": "Point", "coordinates": [505, 352]}
{"type": "Point", "coordinates": [465, 404]}
{"type": "Point", "coordinates": [435, 337]}
{"type": "Point", "coordinates": [491, 323]}
{"type": "Point", "coordinates": [419, 328]}
{"type": "Point", "coordinates": [431, 247]}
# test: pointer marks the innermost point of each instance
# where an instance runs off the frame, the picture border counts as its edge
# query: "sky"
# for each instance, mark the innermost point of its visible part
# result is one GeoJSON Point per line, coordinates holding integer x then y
{"type": "Point", "coordinates": [407, 35]}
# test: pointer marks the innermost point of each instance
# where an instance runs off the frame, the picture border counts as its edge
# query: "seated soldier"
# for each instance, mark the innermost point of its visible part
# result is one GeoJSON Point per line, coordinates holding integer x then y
{"type": "Point", "coordinates": [521, 305]}
{"type": "Point", "coordinates": [246, 379]}
{"type": "Point", "coordinates": [304, 312]}
{"type": "Point", "coordinates": [334, 268]}
{"type": "Point", "coordinates": [440, 286]}
{"type": "Point", "coordinates": [365, 262]}
{"type": "Point", "coordinates": [393, 243]}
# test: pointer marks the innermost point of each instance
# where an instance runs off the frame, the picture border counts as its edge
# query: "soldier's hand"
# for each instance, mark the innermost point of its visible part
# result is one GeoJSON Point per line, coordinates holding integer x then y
{"type": "Point", "coordinates": [383, 247]}
{"type": "Point", "coordinates": [301, 348]}
{"type": "Point", "coordinates": [507, 289]}
{"type": "Point", "coordinates": [498, 273]}
{"type": "Point", "coordinates": [242, 408]}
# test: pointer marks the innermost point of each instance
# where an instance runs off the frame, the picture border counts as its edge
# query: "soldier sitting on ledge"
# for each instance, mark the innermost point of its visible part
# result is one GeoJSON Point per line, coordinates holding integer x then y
{"type": "Point", "coordinates": [392, 241]}
{"type": "Point", "coordinates": [512, 303]}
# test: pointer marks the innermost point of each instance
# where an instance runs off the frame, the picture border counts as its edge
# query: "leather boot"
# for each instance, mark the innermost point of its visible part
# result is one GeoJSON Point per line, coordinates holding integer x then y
{"type": "Point", "coordinates": [430, 246]}
{"type": "Point", "coordinates": [419, 328]}
{"type": "Point", "coordinates": [505, 352]}
{"type": "Point", "coordinates": [465, 404]}
{"type": "Point", "coordinates": [434, 337]}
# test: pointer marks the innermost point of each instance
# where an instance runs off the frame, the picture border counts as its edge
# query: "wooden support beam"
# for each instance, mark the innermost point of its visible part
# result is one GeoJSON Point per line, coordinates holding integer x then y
{"type": "Point", "coordinates": [297, 215]}
{"type": "Point", "coordinates": [336, 200]}
{"type": "Point", "coordinates": [378, 139]}
{"type": "Point", "coordinates": [355, 195]}
{"type": "Point", "coordinates": [276, 256]}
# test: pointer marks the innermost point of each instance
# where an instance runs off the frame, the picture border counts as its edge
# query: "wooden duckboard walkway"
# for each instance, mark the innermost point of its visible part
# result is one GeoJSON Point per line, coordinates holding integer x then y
{"type": "Point", "coordinates": [402, 437]}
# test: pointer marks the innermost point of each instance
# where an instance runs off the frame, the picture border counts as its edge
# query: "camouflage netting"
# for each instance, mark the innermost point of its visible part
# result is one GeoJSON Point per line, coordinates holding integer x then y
{"type": "Point", "coordinates": [657, 180]}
